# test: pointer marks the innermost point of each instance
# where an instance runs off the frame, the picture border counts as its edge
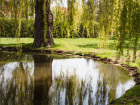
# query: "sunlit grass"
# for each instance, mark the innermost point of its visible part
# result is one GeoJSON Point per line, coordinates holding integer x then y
{"type": "Point", "coordinates": [72, 45]}
{"type": "Point", "coordinates": [13, 41]}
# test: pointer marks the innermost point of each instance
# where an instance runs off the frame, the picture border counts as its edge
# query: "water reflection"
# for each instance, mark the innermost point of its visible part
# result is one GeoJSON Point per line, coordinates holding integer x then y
{"type": "Point", "coordinates": [81, 82]}
{"type": "Point", "coordinates": [42, 79]}
{"type": "Point", "coordinates": [16, 84]}
{"type": "Point", "coordinates": [47, 81]}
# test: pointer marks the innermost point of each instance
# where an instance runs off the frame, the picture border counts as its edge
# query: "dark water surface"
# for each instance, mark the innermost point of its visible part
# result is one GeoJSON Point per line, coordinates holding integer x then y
{"type": "Point", "coordinates": [44, 80]}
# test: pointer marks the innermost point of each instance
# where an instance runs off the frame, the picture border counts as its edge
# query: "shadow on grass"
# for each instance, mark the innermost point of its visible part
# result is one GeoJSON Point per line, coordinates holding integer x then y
{"type": "Point", "coordinates": [112, 46]}
{"type": "Point", "coordinates": [55, 46]}
{"type": "Point", "coordinates": [89, 46]}
{"type": "Point", "coordinates": [27, 45]}
{"type": "Point", "coordinates": [8, 45]}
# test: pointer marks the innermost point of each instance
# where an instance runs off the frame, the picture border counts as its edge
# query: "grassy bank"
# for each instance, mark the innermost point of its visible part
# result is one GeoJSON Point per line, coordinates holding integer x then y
{"type": "Point", "coordinates": [79, 45]}
{"type": "Point", "coordinates": [131, 97]}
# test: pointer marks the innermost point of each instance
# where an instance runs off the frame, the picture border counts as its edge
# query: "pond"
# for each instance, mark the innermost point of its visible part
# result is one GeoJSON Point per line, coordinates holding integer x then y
{"type": "Point", "coordinates": [46, 80]}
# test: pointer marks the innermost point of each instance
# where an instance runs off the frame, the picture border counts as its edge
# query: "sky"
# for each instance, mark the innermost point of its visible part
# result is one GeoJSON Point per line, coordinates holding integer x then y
{"type": "Point", "coordinates": [64, 3]}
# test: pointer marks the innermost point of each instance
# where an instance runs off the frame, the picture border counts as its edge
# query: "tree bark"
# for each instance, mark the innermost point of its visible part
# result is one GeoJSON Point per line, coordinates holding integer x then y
{"type": "Point", "coordinates": [39, 39]}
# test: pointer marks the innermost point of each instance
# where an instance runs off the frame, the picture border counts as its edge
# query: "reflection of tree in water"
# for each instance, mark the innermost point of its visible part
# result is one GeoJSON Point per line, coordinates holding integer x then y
{"type": "Point", "coordinates": [38, 88]}
{"type": "Point", "coordinates": [42, 78]}
{"type": "Point", "coordinates": [110, 77]}
{"type": "Point", "coordinates": [24, 88]}
{"type": "Point", "coordinates": [70, 90]}
{"type": "Point", "coordinates": [16, 90]}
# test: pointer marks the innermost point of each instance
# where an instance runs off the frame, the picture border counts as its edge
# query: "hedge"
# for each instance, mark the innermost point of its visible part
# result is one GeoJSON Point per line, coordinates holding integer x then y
{"type": "Point", "coordinates": [8, 28]}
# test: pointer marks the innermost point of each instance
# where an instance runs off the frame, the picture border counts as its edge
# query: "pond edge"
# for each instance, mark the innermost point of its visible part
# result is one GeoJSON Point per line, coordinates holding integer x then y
{"type": "Point", "coordinates": [132, 70]}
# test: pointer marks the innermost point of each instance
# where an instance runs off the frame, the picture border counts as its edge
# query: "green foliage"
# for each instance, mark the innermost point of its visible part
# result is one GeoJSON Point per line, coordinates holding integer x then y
{"type": "Point", "coordinates": [106, 19]}
{"type": "Point", "coordinates": [129, 23]}
{"type": "Point", "coordinates": [76, 20]}
{"type": "Point", "coordinates": [120, 19]}
{"type": "Point", "coordinates": [60, 31]}
{"type": "Point", "coordinates": [8, 28]}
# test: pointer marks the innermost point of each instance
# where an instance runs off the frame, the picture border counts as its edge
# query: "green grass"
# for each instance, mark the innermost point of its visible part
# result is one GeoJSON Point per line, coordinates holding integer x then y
{"type": "Point", "coordinates": [75, 46]}
{"type": "Point", "coordinates": [131, 97]}
{"type": "Point", "coordinates": [70, 45]}
{"type": "Point", "coordinates": [15, 41]}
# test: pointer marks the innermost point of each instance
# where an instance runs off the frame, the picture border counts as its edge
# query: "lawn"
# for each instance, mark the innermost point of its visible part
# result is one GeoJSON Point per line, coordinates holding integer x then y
{"type": "Point", "coordinates": [77, 45]}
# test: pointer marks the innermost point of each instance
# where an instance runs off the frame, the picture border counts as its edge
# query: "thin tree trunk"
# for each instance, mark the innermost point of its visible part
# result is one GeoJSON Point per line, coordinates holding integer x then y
{"type": "Point", "coordinates": [39, 39]}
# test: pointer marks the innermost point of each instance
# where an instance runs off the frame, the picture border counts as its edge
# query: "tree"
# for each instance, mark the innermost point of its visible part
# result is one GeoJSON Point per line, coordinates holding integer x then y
{"type": "Point", "coordinates": [43, 24]}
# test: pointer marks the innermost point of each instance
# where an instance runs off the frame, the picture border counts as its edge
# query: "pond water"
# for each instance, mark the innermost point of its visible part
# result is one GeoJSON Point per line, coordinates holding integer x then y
{"type": "Point", "coordinates": [44, 80]}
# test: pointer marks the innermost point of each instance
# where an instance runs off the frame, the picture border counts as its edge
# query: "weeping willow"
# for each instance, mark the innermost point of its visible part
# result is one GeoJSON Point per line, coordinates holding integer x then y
{"type": "Point", "coordinates": [106, 20]}
{"type": "Point", "coordinates": [89, 15]}
{"type": "Point", "coordinates": [60, 19]}
{"type": "Point", "coordinates": [116, 18]}
{"type": "Point", "coordinates": [120, 18]}
{"type": "Point", "coordinates": [67, 18]}
{"type": "Point", "coordinates": [129, 31]}
{"type": "Point", "coordinates": [77, 13]}
{"type": "Point", "coordinates": [74, 16]}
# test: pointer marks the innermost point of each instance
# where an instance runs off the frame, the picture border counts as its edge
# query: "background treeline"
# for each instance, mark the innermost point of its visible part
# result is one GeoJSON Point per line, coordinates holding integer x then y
{"type": "Point", "coordinates": [8, 28]}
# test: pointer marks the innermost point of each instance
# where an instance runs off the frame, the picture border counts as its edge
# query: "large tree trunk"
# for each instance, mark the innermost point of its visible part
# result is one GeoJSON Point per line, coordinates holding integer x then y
{"type": "Point", "coordinates": [39, 39]}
